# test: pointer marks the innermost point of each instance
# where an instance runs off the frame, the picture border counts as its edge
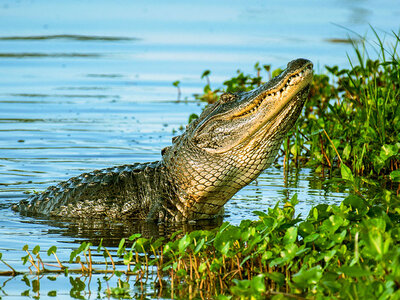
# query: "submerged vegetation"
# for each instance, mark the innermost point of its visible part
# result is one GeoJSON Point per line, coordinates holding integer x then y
{"type": "Point", "coordinates": [350, 128]}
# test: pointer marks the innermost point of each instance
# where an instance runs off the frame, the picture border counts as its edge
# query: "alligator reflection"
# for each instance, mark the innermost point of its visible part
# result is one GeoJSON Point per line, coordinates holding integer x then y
{"type": "Point", "coordinates": [111, 231]}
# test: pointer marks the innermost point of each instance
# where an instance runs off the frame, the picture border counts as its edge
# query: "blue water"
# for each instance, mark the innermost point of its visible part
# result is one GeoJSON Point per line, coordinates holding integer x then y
{"type": "Point", "coordinates": [88, 84]}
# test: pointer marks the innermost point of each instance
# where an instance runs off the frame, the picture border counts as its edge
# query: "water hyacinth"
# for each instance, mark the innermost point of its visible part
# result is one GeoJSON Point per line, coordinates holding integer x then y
{"type": "Point", "coordinates": [336, 251]}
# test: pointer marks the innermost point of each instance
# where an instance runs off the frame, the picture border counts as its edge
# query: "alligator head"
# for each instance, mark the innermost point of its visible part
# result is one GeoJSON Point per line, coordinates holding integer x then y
{"type": "Point", "coordinates": [234, 140]}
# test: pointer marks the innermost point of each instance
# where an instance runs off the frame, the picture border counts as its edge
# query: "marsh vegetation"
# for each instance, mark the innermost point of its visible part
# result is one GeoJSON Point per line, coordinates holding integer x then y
{"type": "Point", "coordinates": [350, 130]}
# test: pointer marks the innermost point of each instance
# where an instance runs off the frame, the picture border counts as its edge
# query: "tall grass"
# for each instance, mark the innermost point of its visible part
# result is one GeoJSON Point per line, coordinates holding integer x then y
{"type": "Point", "coordinates": [355, 120]}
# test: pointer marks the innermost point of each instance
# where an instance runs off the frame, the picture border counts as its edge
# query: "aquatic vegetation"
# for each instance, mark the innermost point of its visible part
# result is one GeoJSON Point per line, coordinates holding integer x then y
{"type": "Point", "coordinates": [356, 120]}
{"type": "Point", "coordinates": [350, 127]}
{"type": "Point", "coordinates": [352, 117]}
{"type": "Point", "coordinates": [351, 250]}
{"type": "Point", "coordinates": [176, 84]}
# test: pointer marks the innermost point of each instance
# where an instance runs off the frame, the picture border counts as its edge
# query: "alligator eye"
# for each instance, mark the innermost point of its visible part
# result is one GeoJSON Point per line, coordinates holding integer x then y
{"type": "Point", "coordinates": [227, 97]}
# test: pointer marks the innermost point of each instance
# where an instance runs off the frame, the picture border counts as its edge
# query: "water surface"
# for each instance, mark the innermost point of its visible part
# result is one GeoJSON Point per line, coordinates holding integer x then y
{"type": "Point", "coordinates": [87, 85]}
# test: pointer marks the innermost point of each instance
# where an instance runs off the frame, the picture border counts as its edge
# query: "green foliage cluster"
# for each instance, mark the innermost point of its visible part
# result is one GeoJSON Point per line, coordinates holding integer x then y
{"type": "Point", "coordinates": [355, 121]}
{"type": "Point", "coordinates": [352, 117]}
{"type": "Point", "coordinates": [239, 83]}
{"type": "Point", "coordinates": [347, 251]}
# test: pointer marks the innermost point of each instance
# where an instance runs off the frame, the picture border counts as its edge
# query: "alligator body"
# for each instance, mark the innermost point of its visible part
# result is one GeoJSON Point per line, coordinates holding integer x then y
{"type": "Point", "coordinates": [222, 151]}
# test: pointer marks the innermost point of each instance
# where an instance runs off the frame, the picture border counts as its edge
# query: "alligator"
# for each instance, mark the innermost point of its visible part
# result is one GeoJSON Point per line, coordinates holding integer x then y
{"type": "Point", "coordinates": [226, 148]}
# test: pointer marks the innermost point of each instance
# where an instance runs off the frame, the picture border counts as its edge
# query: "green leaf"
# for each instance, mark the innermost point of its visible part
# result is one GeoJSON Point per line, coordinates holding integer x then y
{"type": "Point", "coordinates": [388, 151]}
{"type": "Point", "coordinates": [377, 240]}
{"type": "Point", "coordinates": [328, 255]}
{"type": "Point", "coordinates": [181, 273]}
{"type": "Point", "coordinates": [356, 202]}
{"type": "Point", "coordinates": [121, 247]}
{"type": "Point", "coordinates": [395, 176]}
{"type": "Point", "coordinates": [257, 284]}
{"type": "Point", "coordinates": [202, 267]}
{"type": "Point", "coordinates": [26, 280]}
{"type": "Point", "coordinates": [193, 117]}
{"type": "Point", "coordinates": [52, 249]}
{"type": "Point", "coordinates": [184, 243]}
{"type": "Point", "coordinates": [354, 271]}
{"type": "Point", "coordinates": [175, 234]}
{"type": "Point", "coordinates": [276, 72]}
{"type": "Point", "coordinates": [167, 248]}
{"type": "Point", "coordinates": [346, 152]}
{"type": "Point", "coordinates": [100, 245]}
{"type": "Point", "coordinates": [290, 236]}
{"type": "Point", "coordinates": [141, 244]}
{"type": "Point", "coordinates": [199, 246]}
{"type": "Point", "coordinates": [228, 235]}
{"type": "Point", "coordinates": [305, 278]}
{"type": "Point", "coordinates": [225, 249]}
{"type": "Point", "coordinates": [36, 249]}
{"type": "Point", "coordinates": [306, 228]}
{"type": "Point", "coordinates": [157, 243]}
{"type": "Point", "coordinates": [339, 237]}
{"type": "Point", "coordinates": [311, 238]}
{"type": "Point", "coordinates": [128, 257]}
{"type": "Point", "coordinates": [346, 173]}
{"type": "Point", "coordinates": [294, 200]}
{"type": "Point", "coordinates": [134, 236]}
{"type": "Point", "coordinates": [205, 73]}
{"type": "Point", "coordinates": [276, 276]}
{"type": "Point", "coordinates": [118, 273]}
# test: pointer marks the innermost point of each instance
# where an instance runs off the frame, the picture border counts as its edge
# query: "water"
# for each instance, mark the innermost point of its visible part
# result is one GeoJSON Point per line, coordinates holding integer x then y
{"type": "Point", "coordinates": [87, 85]}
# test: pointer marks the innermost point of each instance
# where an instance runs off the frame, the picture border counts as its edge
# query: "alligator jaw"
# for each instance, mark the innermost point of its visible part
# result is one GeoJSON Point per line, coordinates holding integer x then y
{"type": "Point", "coordinates": [239, 119]}
{"type": "Point", "coordinates": [281, 93]}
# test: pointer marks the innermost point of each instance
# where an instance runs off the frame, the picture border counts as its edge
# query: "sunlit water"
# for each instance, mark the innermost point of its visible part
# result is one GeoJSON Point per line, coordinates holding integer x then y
{"type": "Point", "coordinates": [87, 85]}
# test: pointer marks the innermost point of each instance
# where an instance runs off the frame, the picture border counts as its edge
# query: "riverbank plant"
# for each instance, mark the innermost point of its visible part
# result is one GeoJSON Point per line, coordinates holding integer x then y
{"type": "Point", "coordinates": [347, 251]}
{"type": "Point", "coordinates": [352, 117]}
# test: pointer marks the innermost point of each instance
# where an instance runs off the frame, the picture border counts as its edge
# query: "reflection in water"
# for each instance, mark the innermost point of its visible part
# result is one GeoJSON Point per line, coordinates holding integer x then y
{"type": "Point", "coordinates": [71, 37]}
{"type": "Point", "coordinates": [342, 41]}
{"type": "Point", "coordinates": [359, 15]}
{"type": "Point", "coordinates": [60, 286]}
{"type": "Point", "coordinates": [111, 231]}
{"type": "Point", "coordinates": [49, 55]}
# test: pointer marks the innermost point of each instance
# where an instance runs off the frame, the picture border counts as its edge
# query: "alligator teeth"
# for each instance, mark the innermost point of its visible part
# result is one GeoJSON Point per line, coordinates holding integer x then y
{"type": "Point", "coordinates": [290, 82]}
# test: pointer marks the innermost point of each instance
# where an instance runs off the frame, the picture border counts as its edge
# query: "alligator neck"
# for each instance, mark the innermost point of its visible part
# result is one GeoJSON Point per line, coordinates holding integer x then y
{"type": "Point", "coordinates": [233, 141]}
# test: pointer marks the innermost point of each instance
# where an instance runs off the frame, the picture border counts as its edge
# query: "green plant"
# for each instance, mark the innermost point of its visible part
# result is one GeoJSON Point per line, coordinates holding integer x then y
{"type": "Point", "coordinates": [351, 118]}
{"type": "Point", "coordinates": [176, 84]}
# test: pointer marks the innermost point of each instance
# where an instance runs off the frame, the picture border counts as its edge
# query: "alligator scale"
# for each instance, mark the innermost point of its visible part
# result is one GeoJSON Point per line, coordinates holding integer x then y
{"type": "Point", "coordinates": [222, 151]}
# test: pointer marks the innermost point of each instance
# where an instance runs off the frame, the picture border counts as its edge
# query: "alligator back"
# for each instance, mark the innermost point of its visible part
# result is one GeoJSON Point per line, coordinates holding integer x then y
{"type": "Point", "coordinates": [126, 191]}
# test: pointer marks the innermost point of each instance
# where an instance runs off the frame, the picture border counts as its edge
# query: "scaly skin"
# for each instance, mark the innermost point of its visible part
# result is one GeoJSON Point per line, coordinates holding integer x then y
{"type": "Point", "coordinates": [225, 149]}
